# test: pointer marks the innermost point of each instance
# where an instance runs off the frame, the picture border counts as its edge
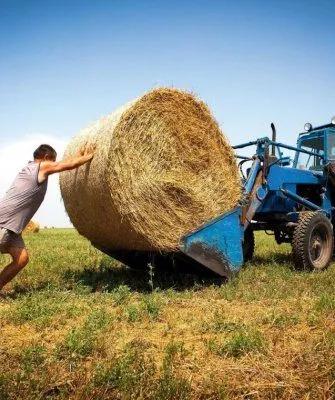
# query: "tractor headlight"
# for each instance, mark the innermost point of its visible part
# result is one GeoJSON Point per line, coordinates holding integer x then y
{"type": "Point", "coordinates": [333, 120]}
{"type": "Point", "coordinates": [308, 127]}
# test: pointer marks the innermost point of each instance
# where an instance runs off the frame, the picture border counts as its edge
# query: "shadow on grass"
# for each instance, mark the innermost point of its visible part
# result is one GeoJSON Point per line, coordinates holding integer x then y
{"type": "Point", "coordinates": [21, 290]}
{"type": "Point", "coordinates": [109, 277]}
{"type": "Point", "coordinates": [276, 258]}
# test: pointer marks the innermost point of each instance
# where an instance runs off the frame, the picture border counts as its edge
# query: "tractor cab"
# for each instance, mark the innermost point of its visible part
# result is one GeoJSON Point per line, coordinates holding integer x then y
{"type": "Point", "coordinates": [320, 143]}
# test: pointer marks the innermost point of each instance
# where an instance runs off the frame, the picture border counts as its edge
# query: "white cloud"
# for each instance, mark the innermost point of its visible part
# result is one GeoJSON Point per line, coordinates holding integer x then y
{"type": "Point", "coordinates": [14, 156]}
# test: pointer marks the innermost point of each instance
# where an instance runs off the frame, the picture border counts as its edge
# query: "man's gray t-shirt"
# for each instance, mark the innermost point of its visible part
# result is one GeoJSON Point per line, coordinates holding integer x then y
{"type": "Point", "coordinates": [23, 199]}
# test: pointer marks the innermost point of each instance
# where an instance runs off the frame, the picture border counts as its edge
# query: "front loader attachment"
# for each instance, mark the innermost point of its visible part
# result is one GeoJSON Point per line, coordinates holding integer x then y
{"type": "Point", "coordinates": [218, 244]}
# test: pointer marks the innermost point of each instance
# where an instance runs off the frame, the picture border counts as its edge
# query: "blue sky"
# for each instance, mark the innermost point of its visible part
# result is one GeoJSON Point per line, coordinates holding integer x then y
{"type": "Point", "coordinates": [64, 64]}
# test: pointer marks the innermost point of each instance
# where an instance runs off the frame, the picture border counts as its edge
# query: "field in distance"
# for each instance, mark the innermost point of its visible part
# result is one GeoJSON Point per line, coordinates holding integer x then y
{"type": "Point", "coordinates": [77, 325]}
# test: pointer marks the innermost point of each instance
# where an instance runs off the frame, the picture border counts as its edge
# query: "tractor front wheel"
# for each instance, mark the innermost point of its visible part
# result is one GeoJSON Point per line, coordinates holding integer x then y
{"type": "Point", "coordinates": [313, 241]}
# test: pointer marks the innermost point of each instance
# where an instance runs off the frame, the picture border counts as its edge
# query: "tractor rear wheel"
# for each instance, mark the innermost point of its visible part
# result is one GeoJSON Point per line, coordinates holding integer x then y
{"type": "Point", "coordinates": [313, 241]}
{"type": "Point", "coordinates": [248, 244]}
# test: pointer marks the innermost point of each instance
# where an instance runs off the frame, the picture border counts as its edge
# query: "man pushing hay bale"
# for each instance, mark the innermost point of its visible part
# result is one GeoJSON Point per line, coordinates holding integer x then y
{"type": "Point", "coordinates": [161, 168]}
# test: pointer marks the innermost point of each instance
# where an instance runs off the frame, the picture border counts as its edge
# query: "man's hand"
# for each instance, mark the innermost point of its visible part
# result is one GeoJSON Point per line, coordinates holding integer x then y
{"type": "Point", "coordinates": [86, 149]}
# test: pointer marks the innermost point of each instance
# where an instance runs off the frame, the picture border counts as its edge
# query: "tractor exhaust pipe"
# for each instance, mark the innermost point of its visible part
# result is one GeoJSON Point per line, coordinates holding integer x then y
{"type": "Point", "coordinates": [274, 138]}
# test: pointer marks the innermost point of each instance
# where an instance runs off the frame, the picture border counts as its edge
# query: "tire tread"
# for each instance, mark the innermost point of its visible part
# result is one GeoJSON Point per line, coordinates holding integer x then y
{"type": "Point", "coordinates": [298, 241]}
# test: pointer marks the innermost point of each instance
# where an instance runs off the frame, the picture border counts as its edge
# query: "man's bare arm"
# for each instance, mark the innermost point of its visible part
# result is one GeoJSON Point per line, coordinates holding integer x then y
{"type": "Point", "coordinates": [51, 167]}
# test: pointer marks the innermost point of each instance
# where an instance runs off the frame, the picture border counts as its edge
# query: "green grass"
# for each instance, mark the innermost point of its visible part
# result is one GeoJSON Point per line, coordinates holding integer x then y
{"type": "Point", "coordinates": [83, 339]}
{"type": "Point", "coordinates": [134, 372]}
{"type": "Point", "coordinates": [241, 341]}
{"type": "Point", "coordinates": [77, 325]}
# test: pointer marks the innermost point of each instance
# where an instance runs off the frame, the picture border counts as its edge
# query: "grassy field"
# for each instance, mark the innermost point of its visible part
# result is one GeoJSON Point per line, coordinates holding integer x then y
{"type": "Point", "coordinates": [75, 324]}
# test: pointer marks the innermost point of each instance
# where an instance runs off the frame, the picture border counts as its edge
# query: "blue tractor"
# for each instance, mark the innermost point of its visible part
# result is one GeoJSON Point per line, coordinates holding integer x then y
{"type": "Point", "coordinates": [295, 203]}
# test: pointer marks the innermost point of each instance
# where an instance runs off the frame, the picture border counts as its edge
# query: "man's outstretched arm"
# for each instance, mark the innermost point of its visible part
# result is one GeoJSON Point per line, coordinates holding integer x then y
{"type": "Point", "coordinates": [51, 167]}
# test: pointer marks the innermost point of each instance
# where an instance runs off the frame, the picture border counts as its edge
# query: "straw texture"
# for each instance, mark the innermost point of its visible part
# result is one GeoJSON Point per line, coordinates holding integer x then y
{"type": "Point", "coordinates": [32, 227]}
{"type": "Point", "coordinates": [162, 167]}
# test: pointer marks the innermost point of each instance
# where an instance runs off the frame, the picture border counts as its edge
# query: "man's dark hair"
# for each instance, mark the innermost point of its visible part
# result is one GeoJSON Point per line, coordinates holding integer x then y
{"type": "Point", "coordinates": [44, 150]}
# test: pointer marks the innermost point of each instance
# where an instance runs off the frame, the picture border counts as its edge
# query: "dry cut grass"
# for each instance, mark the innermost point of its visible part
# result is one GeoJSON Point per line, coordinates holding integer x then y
{"type": "Point", "coordinates": [77, 325]}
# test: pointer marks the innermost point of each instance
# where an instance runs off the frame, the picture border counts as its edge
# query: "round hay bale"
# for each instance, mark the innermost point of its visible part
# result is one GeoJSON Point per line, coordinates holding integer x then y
{"type": "Point", "coordinates": [32, 227]}
{"type": "Point", "coordinates": [162, 167]}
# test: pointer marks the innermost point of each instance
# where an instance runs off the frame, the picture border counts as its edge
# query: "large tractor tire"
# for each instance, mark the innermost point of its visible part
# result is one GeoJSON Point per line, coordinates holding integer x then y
{"type": "Point", "coordinates": [313, 241]}
{"type": "Point", "coordinates": [248, 244]}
